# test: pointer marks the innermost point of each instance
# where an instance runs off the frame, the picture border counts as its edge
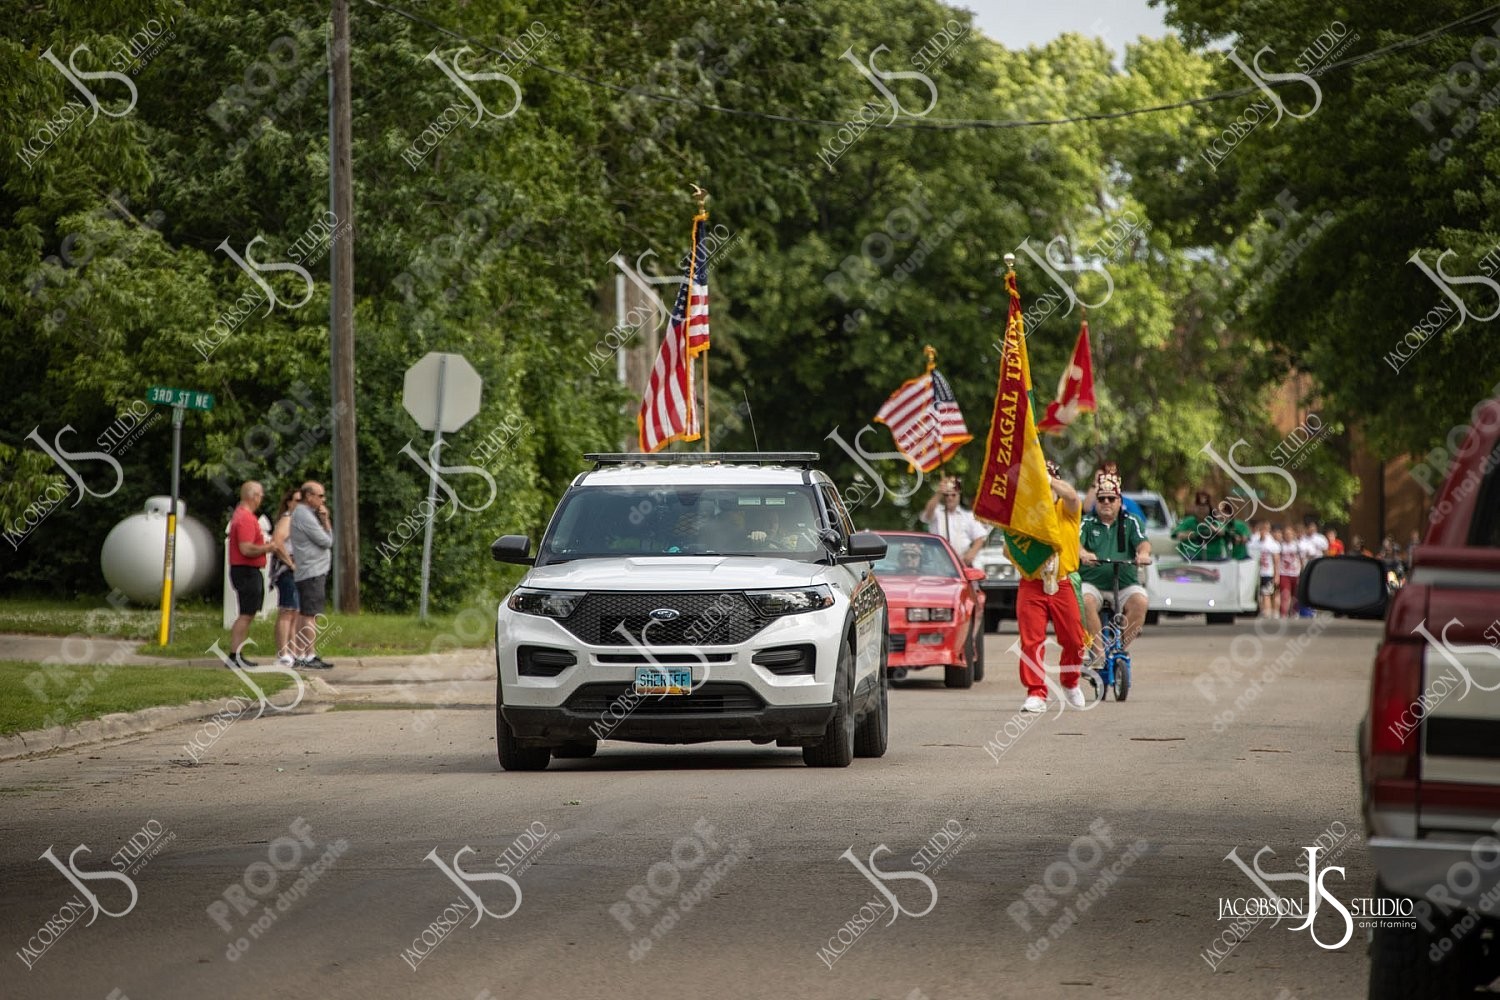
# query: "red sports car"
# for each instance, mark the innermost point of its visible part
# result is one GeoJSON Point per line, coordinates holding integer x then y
{"type": "Point", "coordinates": [935, 608]}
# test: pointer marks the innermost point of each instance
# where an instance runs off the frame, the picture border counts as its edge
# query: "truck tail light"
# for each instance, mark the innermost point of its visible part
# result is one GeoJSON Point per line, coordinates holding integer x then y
{"type": "Point", "coordinates": [1393, 738]}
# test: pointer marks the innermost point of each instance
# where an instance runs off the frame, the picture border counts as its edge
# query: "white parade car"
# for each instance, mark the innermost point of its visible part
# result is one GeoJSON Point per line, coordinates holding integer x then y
{"type": "Point", "coordinates": [683, 598]}
{"type": "Point", "coordinates": [1175, 586]}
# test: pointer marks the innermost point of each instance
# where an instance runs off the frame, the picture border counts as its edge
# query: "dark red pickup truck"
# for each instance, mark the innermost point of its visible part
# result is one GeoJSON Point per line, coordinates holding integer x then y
{"type": "Point", "coordinates": [1430, 744]}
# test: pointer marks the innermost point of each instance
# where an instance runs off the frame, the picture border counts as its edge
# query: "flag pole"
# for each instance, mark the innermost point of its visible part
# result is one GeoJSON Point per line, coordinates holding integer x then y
{"type": "Point", "coordinates": [1094, 413]}
{"type": "Point", "coordinates": [931, 354]}
{"type": "Point", "coordinates": [701, 196]}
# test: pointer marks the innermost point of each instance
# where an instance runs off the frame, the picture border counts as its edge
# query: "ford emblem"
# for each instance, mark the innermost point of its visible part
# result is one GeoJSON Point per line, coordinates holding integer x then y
{"type": "Point", "coordinates": [666, 615]}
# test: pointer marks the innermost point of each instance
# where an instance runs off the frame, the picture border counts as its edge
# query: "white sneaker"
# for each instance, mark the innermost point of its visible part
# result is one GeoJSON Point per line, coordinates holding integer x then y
{"type": "Point", "coordinates": [285, 661]}
{"type": "Point", "coordinates": [1074, 696]}
{"type": "Point", "coordinates": [1034, 704]}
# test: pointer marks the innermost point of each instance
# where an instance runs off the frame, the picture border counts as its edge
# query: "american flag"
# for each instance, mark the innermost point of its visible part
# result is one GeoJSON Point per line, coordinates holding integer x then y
{"type": "Point", "coordinates": [668, 412]}
{"type": "Point", "coordinates": [924, 419]}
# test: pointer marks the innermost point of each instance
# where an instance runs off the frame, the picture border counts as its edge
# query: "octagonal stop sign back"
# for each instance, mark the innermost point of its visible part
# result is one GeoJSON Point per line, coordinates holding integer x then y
{"type": "Point", "coordinates": [460, 385]}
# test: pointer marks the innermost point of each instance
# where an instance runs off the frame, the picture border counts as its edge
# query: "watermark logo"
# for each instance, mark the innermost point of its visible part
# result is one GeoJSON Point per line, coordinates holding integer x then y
{"type": "Point", "coordinates": [462, 78]}
{"type": "Point", "coordinates": [435, 470]}
{"type": "Point", "coordinates": [85, 900]}
{"type": "Point", "coordinates": [1272, 904]}
{"type": "Point", "coordinates": [1053, 266]}
{"type": "Point", "coordinates": [79, 876]}
{"type": "Point", "coordinates": [253, 268]}
{"type": "Point", "coordinates": [76, 76]}
{"type": "Point", "coordinates": [1446, 282]}
{"type": "Point", "coordinates": [255, 689]}
{"type": "Point", "coordinates": [62, 457]}
{"type": "Point", "coordinates": [464, 880]}
{"type": "Point", "coordinates": [1263, 81]}
{"type": "Point", "coordinates": [879, 78]}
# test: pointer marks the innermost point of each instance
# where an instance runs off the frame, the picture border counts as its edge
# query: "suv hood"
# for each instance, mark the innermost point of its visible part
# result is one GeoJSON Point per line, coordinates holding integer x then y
{"type": "Point", "coordinates": [652, 573]}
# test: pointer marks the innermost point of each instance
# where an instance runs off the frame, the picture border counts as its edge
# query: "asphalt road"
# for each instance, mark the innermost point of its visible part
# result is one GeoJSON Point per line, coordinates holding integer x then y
{"type": "Point", "coordinates": [309, 855]}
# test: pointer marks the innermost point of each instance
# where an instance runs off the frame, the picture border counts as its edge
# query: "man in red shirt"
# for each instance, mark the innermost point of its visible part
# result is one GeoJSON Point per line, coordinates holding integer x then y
{"type": "Point", "coordinates": [247, 557]}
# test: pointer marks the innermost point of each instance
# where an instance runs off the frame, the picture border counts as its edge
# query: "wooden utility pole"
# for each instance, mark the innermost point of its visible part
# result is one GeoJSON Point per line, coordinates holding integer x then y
{"type": "Point", "coordinates": [341, 346]}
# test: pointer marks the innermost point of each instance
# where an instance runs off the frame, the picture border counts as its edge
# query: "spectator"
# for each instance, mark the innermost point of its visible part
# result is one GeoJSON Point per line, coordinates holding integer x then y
{"type": "Point", "coordinates": [247, 557]}
{"type": "Point", "coordinates": [1335, 547]}
{"type": "Point", "coordinates": [312, 540]}
{"type": "Point", "coordinates": [1411, 549]}
{"type": "Point", "coordinates": [1289, 567]}
{"type": "Point", "coordinates": [954, 522]}
{"type": "Point", "coordinates": [1357, 547]}
{"type": "Point", "coordinates": [1265, 550]}
{"type": "Point", "coordinates": [284, 580]}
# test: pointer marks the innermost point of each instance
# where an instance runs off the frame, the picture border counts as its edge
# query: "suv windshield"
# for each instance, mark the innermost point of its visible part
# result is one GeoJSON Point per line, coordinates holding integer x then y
{"type": "Point", "coordinates": [617, 521]}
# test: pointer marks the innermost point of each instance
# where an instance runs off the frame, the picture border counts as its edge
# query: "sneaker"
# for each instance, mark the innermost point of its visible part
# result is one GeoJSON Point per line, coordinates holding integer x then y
{"type": "Point", "coordinates": [317, 663]}
{"type": "Point", "coordinates": [285, 661]}
{"type": "Point", "coordinates": [1074, 696]}
{"type": "Point", "coordinates": [239, 659]}
{"type": "Point", "coordinates": [1034, 704]}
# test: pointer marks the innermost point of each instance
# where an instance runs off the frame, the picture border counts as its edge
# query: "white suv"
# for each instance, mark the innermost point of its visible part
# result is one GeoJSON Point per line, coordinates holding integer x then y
{"type": "Point", "coordinates": [682, 598]}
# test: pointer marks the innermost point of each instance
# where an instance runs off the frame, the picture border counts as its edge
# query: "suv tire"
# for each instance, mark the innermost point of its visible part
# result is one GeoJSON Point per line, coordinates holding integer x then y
{"type": "Point", "coordinates": [836, 748]}
{"type": "Point", "coordinates": [514, 757]}
{"type": "Point", "coordinates": [873, 733]}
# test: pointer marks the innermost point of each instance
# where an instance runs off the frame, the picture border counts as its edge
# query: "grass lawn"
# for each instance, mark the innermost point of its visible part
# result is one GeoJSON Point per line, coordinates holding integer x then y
{"type": "Point", "coordinates": [198, 625]}
{"type": "Point", "coordinates": [33, 696]}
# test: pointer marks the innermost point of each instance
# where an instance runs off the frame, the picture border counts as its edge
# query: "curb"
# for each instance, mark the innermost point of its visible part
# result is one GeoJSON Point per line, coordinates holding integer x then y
{"type": "Point", "coordinates": [122, 724]}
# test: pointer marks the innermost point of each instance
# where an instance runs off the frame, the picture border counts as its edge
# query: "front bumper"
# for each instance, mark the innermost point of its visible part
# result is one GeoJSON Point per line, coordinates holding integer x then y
{"type": "Point", "coordinates": [1415, 867]}
{"type": "Point", "coordinates": [651, 722]}
{"type": "Point", "coordinates": [907, 651]}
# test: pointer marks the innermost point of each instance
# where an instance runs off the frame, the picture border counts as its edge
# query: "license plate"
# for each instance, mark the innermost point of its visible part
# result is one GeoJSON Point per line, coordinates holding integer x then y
{"type": "Point", "coordinates": [663, 680]}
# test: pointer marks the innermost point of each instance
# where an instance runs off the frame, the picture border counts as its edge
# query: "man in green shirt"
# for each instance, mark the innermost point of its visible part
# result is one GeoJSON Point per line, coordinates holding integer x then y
{"type": "Point", "coordinates": [1112, 534]}
{"type": "Point", "coordinates": [1210, 535]}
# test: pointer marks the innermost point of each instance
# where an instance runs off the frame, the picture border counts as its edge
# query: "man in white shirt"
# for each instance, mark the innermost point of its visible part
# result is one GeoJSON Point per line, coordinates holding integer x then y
{"type": "Point", "coordinates": [944, 516]}
{"type": "Point", "coordinates": [1264, 549]}
{"type": "Point", "coordinates": [1312, 545]}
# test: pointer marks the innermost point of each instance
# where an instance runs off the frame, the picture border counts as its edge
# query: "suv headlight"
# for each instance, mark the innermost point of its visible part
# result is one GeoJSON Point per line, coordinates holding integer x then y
{"type": "Point", "coordinates": [547, 603]}
{"type": "Point", "coordinates": [794, 601]}
{"type": "Point", "coordinates": [929, 614]}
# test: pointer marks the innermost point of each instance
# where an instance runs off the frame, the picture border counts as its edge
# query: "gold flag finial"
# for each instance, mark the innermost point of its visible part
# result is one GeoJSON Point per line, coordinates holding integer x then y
{"type": "Point", "coordinates": [931, 353]}
{"type": "Point", "coordinates": [701, 197]}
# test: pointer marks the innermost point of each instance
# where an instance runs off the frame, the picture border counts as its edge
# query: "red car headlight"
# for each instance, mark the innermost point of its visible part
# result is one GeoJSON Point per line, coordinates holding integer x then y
{"type": "Point", "coordinates": [929, 614]}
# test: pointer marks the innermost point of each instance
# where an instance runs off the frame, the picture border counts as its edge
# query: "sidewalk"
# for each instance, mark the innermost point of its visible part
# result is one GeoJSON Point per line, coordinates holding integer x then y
{"type": "Point", "coordinates": [463, 678]}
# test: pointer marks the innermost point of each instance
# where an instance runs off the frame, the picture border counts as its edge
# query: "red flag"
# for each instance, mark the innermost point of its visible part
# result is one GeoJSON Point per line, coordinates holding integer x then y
{"type": "Point", "coordinates": [1075, 390]}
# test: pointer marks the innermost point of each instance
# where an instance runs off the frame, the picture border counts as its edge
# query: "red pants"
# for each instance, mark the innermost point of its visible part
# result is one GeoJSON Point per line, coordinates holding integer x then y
{"type": "Point", "coordinates": [1288, 586]}
{"type": "Point", "coordinates": [1034, 606]}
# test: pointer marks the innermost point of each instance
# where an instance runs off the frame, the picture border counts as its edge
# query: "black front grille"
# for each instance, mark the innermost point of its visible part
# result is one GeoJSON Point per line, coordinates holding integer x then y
{"type": "Point", "coordinates": [710, 698]}
{"type": "Point", "coordinates": [715, 618]}
{"type": "Point", "coordinates": [898, 641]}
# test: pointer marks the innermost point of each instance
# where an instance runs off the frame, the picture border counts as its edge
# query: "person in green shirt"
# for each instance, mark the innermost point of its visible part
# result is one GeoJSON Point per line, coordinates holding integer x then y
{"type": "Point", "coordinates": [1112, 534]}
{"type": "Point", "coordinates": [1210, 535]}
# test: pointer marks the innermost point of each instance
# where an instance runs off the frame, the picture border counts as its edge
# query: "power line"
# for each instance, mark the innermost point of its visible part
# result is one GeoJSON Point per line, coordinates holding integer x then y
{"type": "Point", "coordinates": [938, 124]}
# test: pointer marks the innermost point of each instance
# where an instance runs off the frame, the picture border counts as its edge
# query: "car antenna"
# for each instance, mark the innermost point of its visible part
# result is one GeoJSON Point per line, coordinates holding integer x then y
{"type": "Point", "coordinates": [751, 414]}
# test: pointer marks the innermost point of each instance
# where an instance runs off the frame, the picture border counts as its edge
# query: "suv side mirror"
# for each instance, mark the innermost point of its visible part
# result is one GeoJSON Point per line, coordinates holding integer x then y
{"type": "Point", "coordinates": [512, 549]}
{"type": "Point", "coordinates": [1348, 585]}
{"type": "Point", "coordinates": [864, 546]}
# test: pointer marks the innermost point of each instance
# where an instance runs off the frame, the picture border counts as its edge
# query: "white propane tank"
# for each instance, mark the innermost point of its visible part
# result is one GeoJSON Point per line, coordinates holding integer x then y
{"type": "Point", "coordinates": [132, 553]}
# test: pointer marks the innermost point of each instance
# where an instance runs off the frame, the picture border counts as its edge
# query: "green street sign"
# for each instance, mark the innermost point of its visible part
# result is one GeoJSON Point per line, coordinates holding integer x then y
{"type": "Point", "coordinates": [188, 399]}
